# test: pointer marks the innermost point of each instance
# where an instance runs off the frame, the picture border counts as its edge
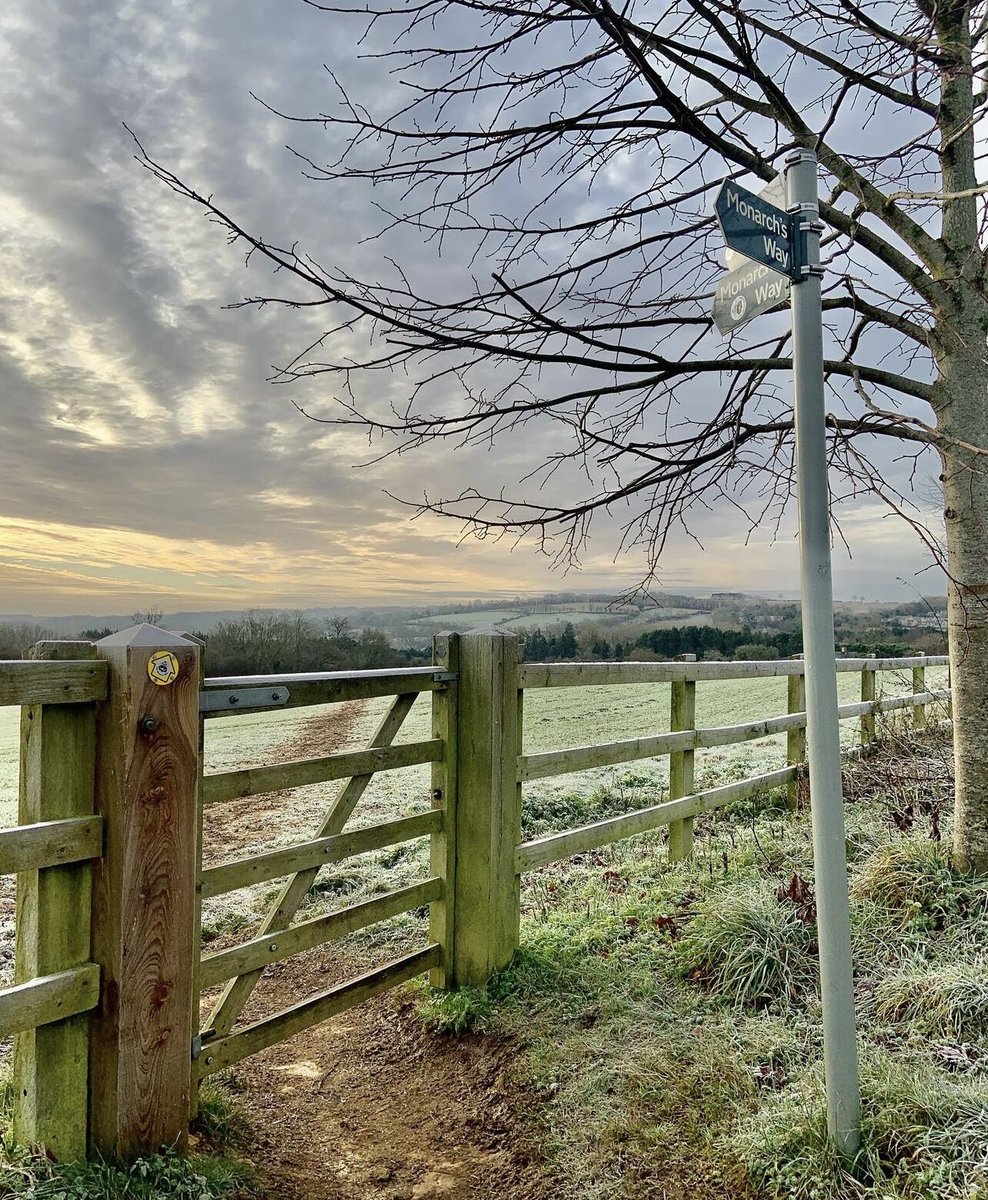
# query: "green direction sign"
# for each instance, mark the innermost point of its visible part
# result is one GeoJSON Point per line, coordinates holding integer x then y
{"type": "Point", "coordinates": [746, 292]}
{"type": "Point", "coordinates": [758, 230]}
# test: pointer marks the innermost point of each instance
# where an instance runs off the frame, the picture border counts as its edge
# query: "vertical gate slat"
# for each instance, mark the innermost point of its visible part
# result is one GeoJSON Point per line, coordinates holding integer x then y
{"type": "Point", "coordinates": [51, 1063]}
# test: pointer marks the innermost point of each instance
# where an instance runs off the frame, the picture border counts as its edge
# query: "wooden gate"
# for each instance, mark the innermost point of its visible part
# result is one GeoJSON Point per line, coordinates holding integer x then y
{"type": "Point", "coordinates": [240, 968]}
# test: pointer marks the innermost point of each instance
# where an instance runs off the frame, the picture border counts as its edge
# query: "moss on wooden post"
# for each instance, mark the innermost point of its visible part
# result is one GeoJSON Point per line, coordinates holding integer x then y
{"type": "Point", "coordinates": [919, 686]}
{"type": "Point", "coordinates": [488, 812]}
{"type": "Point", "coordinates": [682, 716]}
{"type": "Point", "coordinates": [144, 902]}
{"type": "Point", "coordinates": [51, 1062]}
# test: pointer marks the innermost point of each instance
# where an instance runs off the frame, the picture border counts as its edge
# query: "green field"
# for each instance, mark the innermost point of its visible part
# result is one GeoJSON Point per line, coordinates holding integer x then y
{"type": "Point", "coordinates": [552, 620]}
{"type": "Point", "coordinates": [554, 718]}
{"type": "Point", "coordinates": [461, 621]}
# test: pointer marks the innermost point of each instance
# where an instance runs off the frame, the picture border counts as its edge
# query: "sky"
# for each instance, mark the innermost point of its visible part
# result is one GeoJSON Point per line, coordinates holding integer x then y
{"type": "Point", "coordinates": [145, 459]}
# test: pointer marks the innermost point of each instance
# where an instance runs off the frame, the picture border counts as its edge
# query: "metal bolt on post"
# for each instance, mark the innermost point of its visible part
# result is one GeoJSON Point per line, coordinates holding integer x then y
{"type": "Point", "coordinates": [823, 729]}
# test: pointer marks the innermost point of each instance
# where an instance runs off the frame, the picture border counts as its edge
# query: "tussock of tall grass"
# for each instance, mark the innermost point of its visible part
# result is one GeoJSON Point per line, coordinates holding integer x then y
{"type": "Point", "coordinates": [749, 946]}
{"type": "Point", "coordinates": [912, 880]}
{"type": "Point", "coordinates": [948, 1000]}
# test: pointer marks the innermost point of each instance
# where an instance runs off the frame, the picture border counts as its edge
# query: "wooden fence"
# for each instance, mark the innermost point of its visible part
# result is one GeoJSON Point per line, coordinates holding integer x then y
{"type": "Point", "coordinates": [109, 864]}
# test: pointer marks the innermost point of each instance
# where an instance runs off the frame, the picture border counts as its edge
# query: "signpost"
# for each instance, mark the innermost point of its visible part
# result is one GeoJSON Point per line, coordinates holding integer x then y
{"type": "Point", "coordinates": [789, 242]}
{"type": "Point", "coordinates": [750, 288]}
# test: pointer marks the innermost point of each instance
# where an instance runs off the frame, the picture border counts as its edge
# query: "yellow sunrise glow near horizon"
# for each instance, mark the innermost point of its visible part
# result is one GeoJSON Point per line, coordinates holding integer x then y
{"type": "Point", "coordinates": [52, 569]}
{"type": "Point", "coordinates": [58, 569]}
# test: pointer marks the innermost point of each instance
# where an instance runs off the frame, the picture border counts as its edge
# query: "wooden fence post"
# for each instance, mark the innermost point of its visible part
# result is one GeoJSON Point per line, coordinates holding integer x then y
{"type": "Point", "coordinates": [144, 899]}
{"type": "Point", "coordinates": [486, 902]}
{"type": "Point", "coordinates": [919, 685]}
{"type": "Point", "coordinates": [795, 738]}
{"type": "Point", "coordinates": [682, 716]}
{"type": "Point", "coordinates": [446, 657]}
{"type": "Point", "coordinates": [51, 1063]}
{"type": "Point", "coordinates": [868, 692]}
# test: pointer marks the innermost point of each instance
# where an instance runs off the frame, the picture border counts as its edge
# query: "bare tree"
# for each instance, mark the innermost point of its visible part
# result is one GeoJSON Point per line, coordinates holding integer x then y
{"type": "Point", "coordinates": [151, 615]}
{"type": "Point", "coordinates": [571, 150]}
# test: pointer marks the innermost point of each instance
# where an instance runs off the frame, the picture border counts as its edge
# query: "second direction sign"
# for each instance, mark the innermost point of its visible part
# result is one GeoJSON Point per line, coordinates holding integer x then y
{"type": "Point", "coordinates": [758, 230]}
{"type": "Point", "coordinates": [747, 292]}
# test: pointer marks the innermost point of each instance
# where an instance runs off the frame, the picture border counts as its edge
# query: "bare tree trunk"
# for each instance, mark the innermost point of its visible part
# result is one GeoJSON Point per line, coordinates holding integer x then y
{"type": "Point", "coordinates": [961, 403]}
{"type": "Point", "coordinates": [965, 485]}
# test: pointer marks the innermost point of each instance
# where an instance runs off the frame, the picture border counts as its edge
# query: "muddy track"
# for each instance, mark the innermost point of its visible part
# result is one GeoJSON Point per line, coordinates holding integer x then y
{"type": "Point", "coordinates": [372, 1104]}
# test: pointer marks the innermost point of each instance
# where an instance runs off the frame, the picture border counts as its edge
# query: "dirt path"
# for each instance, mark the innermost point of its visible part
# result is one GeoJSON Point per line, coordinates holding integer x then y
{"type": "Point", "coordinates": [235, 826]}
{"type": "Point", "coordinates": [371, 1104]}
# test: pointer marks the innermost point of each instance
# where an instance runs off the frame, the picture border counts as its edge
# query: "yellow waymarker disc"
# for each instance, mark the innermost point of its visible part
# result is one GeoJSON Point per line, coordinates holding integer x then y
{"type": "Point", "coordinates": [163, 667]}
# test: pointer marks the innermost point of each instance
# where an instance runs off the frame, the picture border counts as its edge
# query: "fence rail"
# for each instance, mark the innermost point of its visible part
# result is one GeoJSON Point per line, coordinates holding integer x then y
{"type": "Point", "coordinates": [236, 785]}
{"type": "Point", "coordinates": [49, 998]}
{"type": "Point", "coordinates": [50, 844]}
{"type": "Point", "coordinates": [283, 943]}
{"type": "Point", "coordinates": [316, 687]}
{"type": "Point", "coordinates": [684, 804]}
{"type": "Point", "coordinates": [276, 864]}
{"type": "Point", "coordinates": [541, 675]}
{"type": "Point", "coordinates": [582, 758]}
{"type": "Point", "coordinates": [52, 682]}
{"type": "Point", "coordinates": [542, 851]}
{"type": "Point", "coordinates": [226, 1051]}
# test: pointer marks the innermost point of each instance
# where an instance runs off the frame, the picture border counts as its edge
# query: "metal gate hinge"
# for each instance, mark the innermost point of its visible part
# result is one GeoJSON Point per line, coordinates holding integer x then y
{"type": "Point", "coordinates": [217, 700]}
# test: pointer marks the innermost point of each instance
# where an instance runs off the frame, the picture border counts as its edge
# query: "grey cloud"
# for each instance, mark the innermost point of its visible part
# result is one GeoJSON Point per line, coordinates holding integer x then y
{"type": "Point", "coordinates": [99, 249]}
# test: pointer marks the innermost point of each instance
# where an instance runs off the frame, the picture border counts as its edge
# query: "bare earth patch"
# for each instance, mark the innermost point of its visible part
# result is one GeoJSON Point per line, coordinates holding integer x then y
{"type": "Point", "coordinates": [372, 1104]}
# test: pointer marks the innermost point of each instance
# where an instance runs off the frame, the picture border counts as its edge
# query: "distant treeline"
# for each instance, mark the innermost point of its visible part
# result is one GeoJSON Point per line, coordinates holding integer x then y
{"type": "Point", "coordinates": [705, 641]}
{"type": "Point", "coordinates": [17, 637]}
{"type": "Point", "coordinates": [261, 643]}
{"type": "Point", "coordinates": [274, 643]}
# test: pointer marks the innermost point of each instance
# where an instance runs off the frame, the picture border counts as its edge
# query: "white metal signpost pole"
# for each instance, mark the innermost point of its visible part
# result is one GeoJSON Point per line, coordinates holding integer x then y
{"type": "Point", "coordinates": [823, 728]}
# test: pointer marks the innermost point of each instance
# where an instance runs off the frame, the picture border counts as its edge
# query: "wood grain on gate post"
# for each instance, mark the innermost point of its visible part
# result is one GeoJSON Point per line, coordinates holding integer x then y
{"type": "Point", "coordinates": [488, 820]}
{"type": "Point", "coordinates": [442, 852]}
{"type": "Point", "coordinates": [51, 1062]}
{"type": "Point", "coordinates": [682, 715]}
{"type": "Point", "coordinates": [144, 901]}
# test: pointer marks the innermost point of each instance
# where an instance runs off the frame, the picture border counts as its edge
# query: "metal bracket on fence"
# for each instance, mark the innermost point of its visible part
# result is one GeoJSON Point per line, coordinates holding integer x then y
{"type": "Point", "coordinates": [230, 701]}
{"type": "Point", "coordinates": [444, 676]}
{"type": "Point", "coordinates": [196, 1046]}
